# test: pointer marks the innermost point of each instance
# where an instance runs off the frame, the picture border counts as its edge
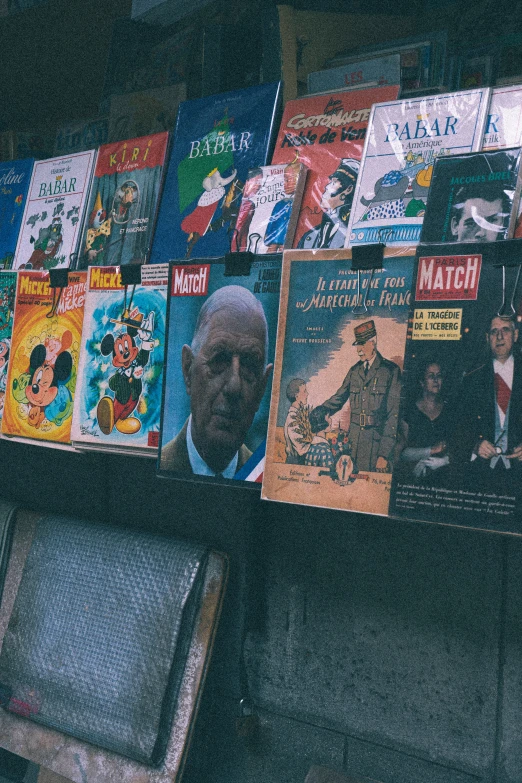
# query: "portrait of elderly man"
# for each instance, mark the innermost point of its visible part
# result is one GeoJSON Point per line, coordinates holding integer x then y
{"type": "Point", "coordinates": [225, 371]}
{"type": "Point", "coordinates": [373, 386]}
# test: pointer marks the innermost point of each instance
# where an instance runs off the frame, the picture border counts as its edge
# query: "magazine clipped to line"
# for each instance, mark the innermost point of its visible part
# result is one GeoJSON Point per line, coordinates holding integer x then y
{"type": "Point", "coordinates": [44, 355]}
{"type": "Point", "coordinates": [219, 359]}
{"type": "Point", "coordinates": [269, 210]}
{"type": "Point", "coordinates": [403, 141]}
{"type": "Point", "coordinates": [460, 456]}
{"type": "Point", "coordinates": [473, 197]}
{"type": "Point", "coordinates": [120, 376]}
{"type": "Point", "coordinates": [332, 435]}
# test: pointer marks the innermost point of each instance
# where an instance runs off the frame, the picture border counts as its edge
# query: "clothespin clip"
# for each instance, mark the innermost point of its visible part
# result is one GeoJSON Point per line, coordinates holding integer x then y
{"type": "Point", "coordinates": [130, 275]}
{"type": "Point", "coordinates": [366, 258]}
{"type": "Point", "coordinates": [58, 280]}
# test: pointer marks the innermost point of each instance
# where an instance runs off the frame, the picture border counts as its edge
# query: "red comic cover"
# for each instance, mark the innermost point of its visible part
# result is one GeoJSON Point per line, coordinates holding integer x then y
{"type": "Point", "coordinates": [326, 133]}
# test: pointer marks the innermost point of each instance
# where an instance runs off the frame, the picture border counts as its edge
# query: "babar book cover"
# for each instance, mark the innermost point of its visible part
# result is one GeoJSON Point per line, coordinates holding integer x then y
{"type": "Point", "coordinates": [217, 140]}
{"type": "Point", "coordinates": [460, 456]}
{"type": "Point", "coordinates": [221, 336]}
{"type": "Point", "coordinates": [54, 211]}
{"type": "Point", "coordinates": [504, 122]}
{"type": "Point", "coordinates": [327, 134]}
{"type": "Point", "coordinates": [332, 434]}
{"type": "Point", "coordinates": [14, 184]}
{"type": "Point", "coordinates": [269, 208]}
{"type": "Point", "coordinates": [123, 202]}
{"type": "Point", "coordinates": [403, 141]}
{"type": "Point", "coordinates": [7, 304]}
{"type": "Point", "coordinates": [118, 395]}
{"type": "Point", "coordinates": [473, 197]}
{"type": "Point", "coordinates": [43, 362]}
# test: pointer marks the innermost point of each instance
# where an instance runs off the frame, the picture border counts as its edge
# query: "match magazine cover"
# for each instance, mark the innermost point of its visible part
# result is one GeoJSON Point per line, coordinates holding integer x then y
{"type": "Point", "coordinates": [43, 364]}
{"type": "Point", "coordinates": [219, 360]}
{"type": "Point", "coordinates": [404, 139]}
{"type": "Point", "coordinates": [120, 376]}
{"type": "Point", "coordinates": [332, 434]}
{"type": "Point", "coordinates": [123, 202]}
{"type": "Point", "coordinates": [460, 459]}
{"type": "Point", "coordinates": [327, 134]}
{"type": "Point", "coordinates": [54, 212]}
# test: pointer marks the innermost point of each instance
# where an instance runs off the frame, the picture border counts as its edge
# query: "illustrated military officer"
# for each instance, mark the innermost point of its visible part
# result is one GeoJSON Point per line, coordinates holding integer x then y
{"type": "Point", "coordinates": [373, 386]}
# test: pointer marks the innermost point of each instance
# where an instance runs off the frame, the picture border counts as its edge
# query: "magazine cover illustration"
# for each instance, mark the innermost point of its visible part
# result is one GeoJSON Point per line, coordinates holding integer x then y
{"type": "Point", "coordinates": [14, 184]}
{"type": "Point", "coordinates": [461, 414]}
{"type": "Point", "coordinates": [54, 212]}
{"type": "Point", "coordinates": [7, 304]}
{"type": "Point", "coordinates": [219, 361]}
{"type": "Point", "coordinates": [473, 197]}
{"type": "Point", "coordinates": [123, 202]}
{"type": "Point", "coordinates": [337, 381]}
{"type": "Point", "coordinates": [504, 122]}
{"type": "Point", "coordinates": [118, 396]}
{"type": "Point", "coordinates": [43, 363]}
{"type": "Point", "coordinates": [217, 140]}
{"type": "Point", "coordinates": [404, 139]}
{"type": "Point", "coordinates": [327, 134]}
{"type": "Point", "coordinates": [269, 208]}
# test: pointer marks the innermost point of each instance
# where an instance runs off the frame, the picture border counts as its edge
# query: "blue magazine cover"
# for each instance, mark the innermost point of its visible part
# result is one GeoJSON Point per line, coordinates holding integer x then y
{"type": "Point", "coordinates": [15, 176]}
{"type": "Point", "coordinates": [217, 140]}
{"type": "Point", "coordinates": [221, 333]}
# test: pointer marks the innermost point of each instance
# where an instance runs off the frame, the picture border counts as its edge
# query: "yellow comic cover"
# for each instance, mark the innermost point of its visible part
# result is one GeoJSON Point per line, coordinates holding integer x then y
{"type": "Point", "coordinates": [44, 357]}
{"type": "Point", "coordinates": [334, 416]}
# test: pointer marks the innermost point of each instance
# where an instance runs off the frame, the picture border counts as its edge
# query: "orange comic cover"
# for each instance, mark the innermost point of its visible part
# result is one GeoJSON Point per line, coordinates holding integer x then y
{"type": "Point", "coordinates": [44, 357]}
{"type": "Point", "coordinates": [326, 133]}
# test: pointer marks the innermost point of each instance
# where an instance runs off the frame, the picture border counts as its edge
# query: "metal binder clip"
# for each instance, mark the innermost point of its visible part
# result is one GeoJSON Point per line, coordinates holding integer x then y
{"type": "Point", "coordinates": [366, 258]}
{"type": "Point", "coordinates": [508, 310]}
{"type": "Point", "coordinates": [58, 280]}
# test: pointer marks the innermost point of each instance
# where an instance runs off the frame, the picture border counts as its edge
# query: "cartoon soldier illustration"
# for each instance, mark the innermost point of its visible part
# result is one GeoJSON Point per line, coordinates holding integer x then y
{"type": "Point", "coordinates": [373, 386]}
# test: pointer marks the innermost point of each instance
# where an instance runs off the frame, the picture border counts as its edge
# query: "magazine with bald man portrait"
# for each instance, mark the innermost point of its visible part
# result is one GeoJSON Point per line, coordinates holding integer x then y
{"type": "Point", "coordinates": [221, 331]}
{"type": "Point", "coordinates": [332, 434]}
{"type": "Point", "coordinates": [460, 423]}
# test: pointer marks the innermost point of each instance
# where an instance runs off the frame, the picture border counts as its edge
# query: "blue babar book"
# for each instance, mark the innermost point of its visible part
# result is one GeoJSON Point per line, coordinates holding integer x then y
{"type": "Point", "coordinates": [217, 140]}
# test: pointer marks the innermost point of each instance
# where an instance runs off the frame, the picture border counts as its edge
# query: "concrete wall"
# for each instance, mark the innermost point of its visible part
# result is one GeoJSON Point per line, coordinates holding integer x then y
{"type": "Point", "coordinates": [387, 649]}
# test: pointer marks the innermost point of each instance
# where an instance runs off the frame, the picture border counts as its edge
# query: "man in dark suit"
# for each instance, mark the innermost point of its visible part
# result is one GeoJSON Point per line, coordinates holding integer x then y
{"type": "Point", "coordinates": [225, 373]}
{"type": "Point", "coordinates": [489, 434]}
{"type": "Point", "coordinates": [373, 386]}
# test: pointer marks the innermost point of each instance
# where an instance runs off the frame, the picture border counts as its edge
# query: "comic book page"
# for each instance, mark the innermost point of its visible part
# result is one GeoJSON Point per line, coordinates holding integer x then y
{"type": "Point", "coordinates": [54, 212]}
{"type": "Point", "coordinates": [460, 458]}
{"type": "Point", "coordinates": [120, 376]}
{"type": "Point", "coordinates": [327, 133]}
{"type": "Point", "coordinates": [7, 304]}
{"type": "Point", "coordinates": [219, 362]}
{"type": "Point", "coordinates": [123, 202]}
{"type": "Point", "coordinates": [332, 434]}
{"type": "Point", "coordinates": [14, 184]}
{"type": "Point", "coordinates": [403, 141]}
{"type": "Point", "coordinates": [43, 363]}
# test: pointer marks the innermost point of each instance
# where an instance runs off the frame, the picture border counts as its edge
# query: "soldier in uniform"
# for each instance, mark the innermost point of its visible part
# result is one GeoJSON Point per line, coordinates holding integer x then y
{"type": "Point", "coordinates": [373, 386]}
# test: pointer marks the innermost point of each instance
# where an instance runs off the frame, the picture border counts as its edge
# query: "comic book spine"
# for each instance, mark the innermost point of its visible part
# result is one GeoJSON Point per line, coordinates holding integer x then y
{"type": "Point", "coordinates": [296, 207]}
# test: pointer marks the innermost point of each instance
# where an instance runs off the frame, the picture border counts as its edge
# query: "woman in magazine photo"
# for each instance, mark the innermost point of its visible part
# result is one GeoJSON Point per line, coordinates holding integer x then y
{"type": "Point", "coordinates": [427, 426]}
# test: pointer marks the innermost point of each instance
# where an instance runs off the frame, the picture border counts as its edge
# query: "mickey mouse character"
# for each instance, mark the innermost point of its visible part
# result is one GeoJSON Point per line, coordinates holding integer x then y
{"type": "Point", "coordinates": [126, 383]}
{"type": "Point", "coordinates": [47, 386]}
